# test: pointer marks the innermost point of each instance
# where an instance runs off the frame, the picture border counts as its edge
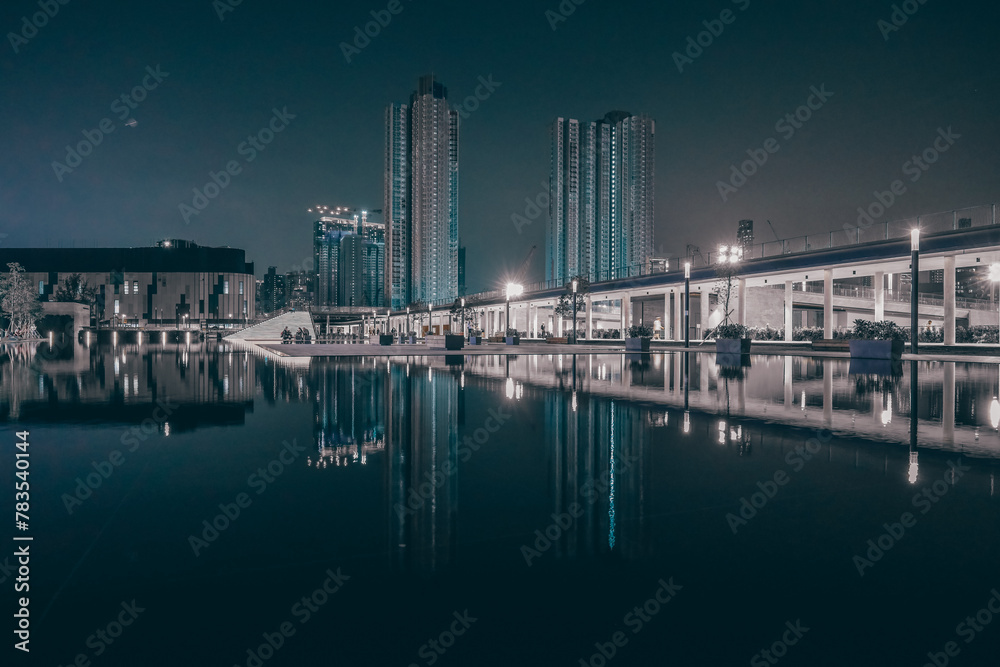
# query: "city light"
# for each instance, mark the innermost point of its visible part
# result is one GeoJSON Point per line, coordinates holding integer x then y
{"type": "Point", "coordinates": [915, 240]}
{"type": "Point", "coordinates": [514, 290]}
{"type": "Point", "coordinates": [687, 270]}
{"type": "Point", "coordinates": [730, 254]}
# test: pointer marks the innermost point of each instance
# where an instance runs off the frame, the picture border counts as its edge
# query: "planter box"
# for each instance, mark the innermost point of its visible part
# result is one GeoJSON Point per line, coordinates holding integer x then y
{"type": "Point", "coordinates": [385, 340]}
{"type": "Point", "coordinates": [412, 340]}
{"type": "Point", "coordinates": [876, 349]}
{"type": "Point", "coordinates": [475, 340]}
{"type": "Point", "coordinates": [445, 341]}
{"type": "Point", "coordinates": [637, 344]}
{"type": "Point", "coordinates": [513, 340]}
{"type": "Point", "coordinates": [732, 345]}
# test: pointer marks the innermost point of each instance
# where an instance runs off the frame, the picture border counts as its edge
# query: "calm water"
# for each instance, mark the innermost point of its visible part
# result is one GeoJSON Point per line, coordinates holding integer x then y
{"type": "Point", "coordinates": [533, 505]}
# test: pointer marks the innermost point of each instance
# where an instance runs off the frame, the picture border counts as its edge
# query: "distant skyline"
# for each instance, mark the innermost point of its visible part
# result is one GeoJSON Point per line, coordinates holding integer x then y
{"type": "Point", "coordinates": [262, 109]}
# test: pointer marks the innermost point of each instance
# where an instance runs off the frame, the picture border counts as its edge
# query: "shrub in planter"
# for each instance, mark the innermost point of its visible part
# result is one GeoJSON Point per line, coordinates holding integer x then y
{"type": "Point", "coordinates": [732, 339]}
{"type": "Point", "coordinates": [513, 337]}
{"type": "Point", "coordinates": [877, 340]}
{"type": "Point", "coordinates": [637, 338]}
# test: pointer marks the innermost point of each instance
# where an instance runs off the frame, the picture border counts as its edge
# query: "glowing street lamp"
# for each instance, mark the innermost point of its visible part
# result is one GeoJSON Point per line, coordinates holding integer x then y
{"type": "Point", "coordinates": [574, 310]}
{"type": "Point", "coordinates": [995, 277]}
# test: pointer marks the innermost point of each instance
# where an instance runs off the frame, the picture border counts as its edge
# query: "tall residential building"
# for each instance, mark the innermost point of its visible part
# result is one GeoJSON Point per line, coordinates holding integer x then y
{"type": "Point", "coordinates": [744, 234]}
{"type": "Point", "coordinates": [421, 197]}
{"type": "Point", "coordinates": [273, 295]}
{"type": "Point", "coordinates": [601, 197]}
{"type": "Point", "coordinates": [349, 256]}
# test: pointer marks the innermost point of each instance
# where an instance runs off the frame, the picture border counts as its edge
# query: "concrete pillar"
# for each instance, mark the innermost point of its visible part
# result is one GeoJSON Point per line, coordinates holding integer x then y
{"type": "Point", "coordinates": [827, 303]}
{"type": "Point", "coordinates": [626, 304]}
{"type": "Point", "coordinates": [828, 392]}
{"type": "Point", "coordinates": [704, 312]}
{"type": "Point", "coordinates": [789, 312]}
{"type": "Point", "coordinates": [949, 300]}
{"type": "Point", "coordinates": [879, 296]}
{"type": "Point", "coordinates": [679, 314]}
{"type": "Point", "coordinates": [590, 317]}
{"type": "Point", "coordinates": [741, 301]}
{"type": "Point", "coordinates": [665, 333]}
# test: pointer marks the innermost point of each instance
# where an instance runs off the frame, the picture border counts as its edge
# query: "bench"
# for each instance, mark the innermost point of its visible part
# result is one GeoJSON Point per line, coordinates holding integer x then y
{"type": "Point", "coordinates": [557, 341]}
{"type": "Point", "coordinates": [831, 345]}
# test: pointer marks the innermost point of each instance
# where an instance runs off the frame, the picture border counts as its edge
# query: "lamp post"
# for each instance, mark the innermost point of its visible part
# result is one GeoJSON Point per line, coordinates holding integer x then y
{"type": "Point", "coordinates": [407, 320]}
{"type": "Point", "coordinates": [687, 304]}
{"type": "Point", "coordinates": [463, 316]}
{"type": "Point", "coordinates": [914, 289]}
{"type": "Point", "coordinates": [430, 319]}
{"type": "Point", "coordinates": [574, 310]}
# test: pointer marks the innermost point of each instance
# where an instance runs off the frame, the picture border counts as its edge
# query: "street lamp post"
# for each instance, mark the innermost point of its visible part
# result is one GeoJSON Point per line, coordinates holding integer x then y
{"type": "Point", "coordinates": [430, 319]}
{"type": "Point", "coordinates": [687, 304]}
{"type": "Point", "coordinates": [407, 320]}
{"type": "Point", "coordinates": [914, 289]}
{"type": "Point", "coordinates": [463, 316]}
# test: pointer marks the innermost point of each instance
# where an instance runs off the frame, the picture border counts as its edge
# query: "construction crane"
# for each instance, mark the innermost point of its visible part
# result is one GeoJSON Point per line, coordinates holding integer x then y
{"type": "Point", "coordinates": [518, 276]}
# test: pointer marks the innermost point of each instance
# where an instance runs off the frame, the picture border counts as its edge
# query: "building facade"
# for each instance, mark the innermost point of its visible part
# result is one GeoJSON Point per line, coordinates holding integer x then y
{"type": "Point", "coordinates": [601, 197]}
{"type": "Point", "coordinates": [349, 255]}
{"type": "Point", "coordinates": [272, 294]}
{"type": "Point", "coordinates": [421, 197]}
{"type": "Point", "coordinates": [174, 282]}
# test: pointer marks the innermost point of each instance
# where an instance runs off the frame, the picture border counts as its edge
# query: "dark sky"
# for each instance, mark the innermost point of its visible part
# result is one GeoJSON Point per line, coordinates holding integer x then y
{"type": "Point", "coordinates": [890, 96]}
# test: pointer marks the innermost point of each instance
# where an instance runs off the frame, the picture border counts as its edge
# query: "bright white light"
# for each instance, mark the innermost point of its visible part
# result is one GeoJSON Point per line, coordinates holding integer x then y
{"type": "Point", "coordinates": [915, 240]}
{"type": "Point", "coordinates": [510, 388]}
{"type": "Point", "coordinates": [995, 413]}
{"type": "Point", "coordinates": [912, 473]}
{"type": "Point", "coordinates": [687, 422]}
{"type": "Point", "coordinates": [687, 269]}
{"type": "Point", "coordinates": [514, 289]}
{"type": "Point", "coordinates": [995, 272]}
{"type": "Point", "coordinates": [723, 249]}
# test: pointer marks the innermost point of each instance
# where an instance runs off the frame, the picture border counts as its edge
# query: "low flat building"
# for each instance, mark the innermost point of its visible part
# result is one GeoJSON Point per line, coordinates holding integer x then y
{"type": "Point", "coordinates": [160, 284]}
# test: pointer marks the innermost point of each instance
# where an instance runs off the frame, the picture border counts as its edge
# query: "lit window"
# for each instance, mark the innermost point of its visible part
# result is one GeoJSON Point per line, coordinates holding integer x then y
{"type": "Point", "coordinates": [116, 306]}
{"type": "Point", "coordinates": [126, 287]}
{"type": "Point", "coordinates": [225, 287]}
{"type": "Point", "coordinates": [135, 287]}
{"type": "Point", "coordinates": [41, 287]}
{"type": "Point", "coordinates": [241, 287]}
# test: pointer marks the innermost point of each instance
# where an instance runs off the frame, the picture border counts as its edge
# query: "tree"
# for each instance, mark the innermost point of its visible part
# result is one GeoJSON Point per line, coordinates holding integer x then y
{"type": "Point", "coordinates": [564, 308]}
{"type": "Point", "coordinates": [74, 288]}
{"type": "Point", "coordinates": [725, 287]}
{"type": "Point", "coordinates": [466, 313]}
{"type": "Point", "coordinates": [19, 301]}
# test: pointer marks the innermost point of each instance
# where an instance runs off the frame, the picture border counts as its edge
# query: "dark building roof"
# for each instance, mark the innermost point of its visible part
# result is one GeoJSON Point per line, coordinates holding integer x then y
{"type": "Point", "coordinates": [190, 258]}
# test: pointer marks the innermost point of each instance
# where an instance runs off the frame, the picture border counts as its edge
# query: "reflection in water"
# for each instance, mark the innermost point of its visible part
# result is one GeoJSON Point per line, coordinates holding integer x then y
{"type": "Point", "coordinates": [600, 419]}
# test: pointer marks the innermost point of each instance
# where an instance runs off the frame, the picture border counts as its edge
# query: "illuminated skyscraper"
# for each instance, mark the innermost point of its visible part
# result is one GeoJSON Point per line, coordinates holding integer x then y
{"type": "Point", "coordinates": [421, 197]}
{"type": "Point", "coordinates": [601, 197]}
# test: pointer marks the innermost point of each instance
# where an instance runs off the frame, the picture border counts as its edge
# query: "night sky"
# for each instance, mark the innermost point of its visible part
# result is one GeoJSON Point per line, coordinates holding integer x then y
{"type": "Point", "coordinates": [223, 78]}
